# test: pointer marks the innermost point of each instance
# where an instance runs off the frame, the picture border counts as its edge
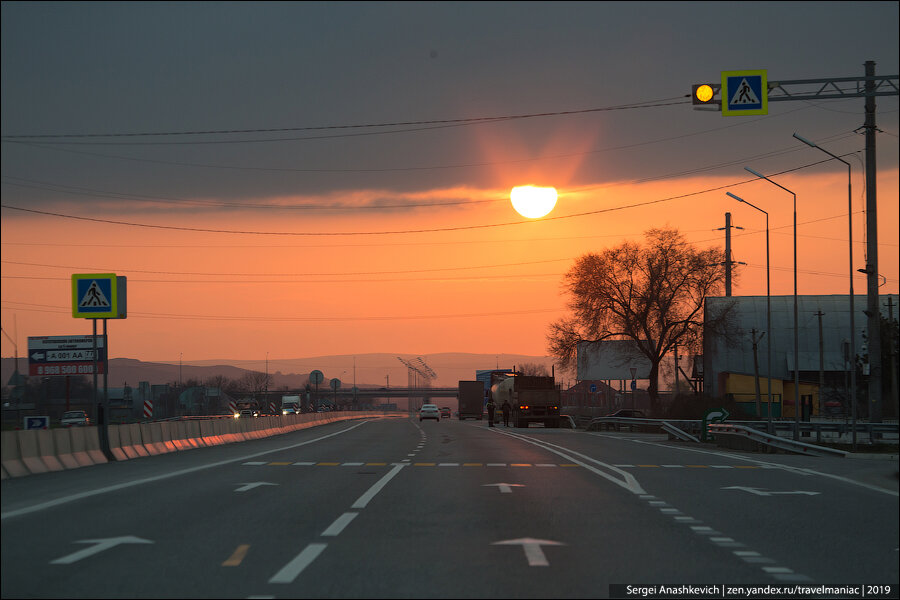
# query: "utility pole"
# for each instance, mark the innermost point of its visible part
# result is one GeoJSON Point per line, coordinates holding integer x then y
{"type": "Point", "coordinates": [756, 368]}
{"type": "Point", "coordinates": [728, 262]}
{"type": "Point", "coordinates": [873, 305]}
{"type": "Point", "coordinates": [820, 314]}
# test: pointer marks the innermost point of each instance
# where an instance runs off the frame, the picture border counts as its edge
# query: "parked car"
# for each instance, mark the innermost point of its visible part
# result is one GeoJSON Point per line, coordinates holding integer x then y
{"type": "Point", "coordinates": [445, 412]}
{"type": "Point", "coordinates": [75, 418]}
{"type": "Point", "coordinates": [630, 413]}
{"type": "Point", "coordinates": [429, 411]}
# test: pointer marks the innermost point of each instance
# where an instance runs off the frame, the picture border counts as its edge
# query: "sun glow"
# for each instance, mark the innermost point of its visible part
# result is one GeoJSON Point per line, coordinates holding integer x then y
{"type": "Point", "coordinates": [533, 202]}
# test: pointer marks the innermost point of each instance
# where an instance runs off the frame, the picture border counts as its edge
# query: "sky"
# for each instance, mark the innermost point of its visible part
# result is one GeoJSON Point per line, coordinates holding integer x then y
{"type": "Point", "coordinates": [304, 179]}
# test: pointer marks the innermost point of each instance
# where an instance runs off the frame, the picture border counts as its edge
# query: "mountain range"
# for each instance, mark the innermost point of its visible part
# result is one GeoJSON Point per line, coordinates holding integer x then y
{"type": "Point", "coordinates": [366, 370]}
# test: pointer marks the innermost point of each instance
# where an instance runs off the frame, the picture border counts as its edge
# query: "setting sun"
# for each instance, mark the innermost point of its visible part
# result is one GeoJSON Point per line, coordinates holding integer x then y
{"type": "Point", "coordinates": [533, 202]}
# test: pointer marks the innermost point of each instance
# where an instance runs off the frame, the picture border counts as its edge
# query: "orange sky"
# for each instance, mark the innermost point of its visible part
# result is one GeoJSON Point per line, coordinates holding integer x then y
{"type": "Point", "coordinates": [197, 296]}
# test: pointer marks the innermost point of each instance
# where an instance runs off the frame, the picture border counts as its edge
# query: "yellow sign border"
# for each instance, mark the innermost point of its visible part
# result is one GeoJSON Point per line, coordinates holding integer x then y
{"type": "Point", "coordinates": [113, 311]}
{"type": "Point", "coordinates": [764, 91]}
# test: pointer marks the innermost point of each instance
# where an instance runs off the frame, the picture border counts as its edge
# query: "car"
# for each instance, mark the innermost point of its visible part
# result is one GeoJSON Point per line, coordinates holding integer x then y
{"type": "Point", "coordinates": [630, 413]}
{"type": "Point", "coordinates": [429, 411]}
{"type": "Point", "coordinates": [445, 412]}
{"type": "Point", "coordinates": [247, 414]}
{"type": "Point", "coordinates": [74, 418]}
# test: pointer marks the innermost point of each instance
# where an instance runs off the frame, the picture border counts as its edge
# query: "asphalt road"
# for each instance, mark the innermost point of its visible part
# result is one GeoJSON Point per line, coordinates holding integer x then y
{"type": "Point", "coordinates": [396, 508]}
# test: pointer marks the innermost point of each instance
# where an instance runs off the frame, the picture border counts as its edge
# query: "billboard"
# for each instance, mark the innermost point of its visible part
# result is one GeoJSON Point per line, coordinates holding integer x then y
{"type": "Point", "coordinates": [610, 360]}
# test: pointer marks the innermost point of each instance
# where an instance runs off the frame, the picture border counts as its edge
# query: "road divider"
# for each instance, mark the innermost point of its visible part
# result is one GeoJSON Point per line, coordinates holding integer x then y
{"type": "Point", "coordinates": [30, 452]}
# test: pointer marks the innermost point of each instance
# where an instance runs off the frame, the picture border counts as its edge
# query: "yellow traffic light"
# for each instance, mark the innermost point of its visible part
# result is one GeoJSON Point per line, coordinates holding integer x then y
{"type": "Point", "coordinates": [705, 93]}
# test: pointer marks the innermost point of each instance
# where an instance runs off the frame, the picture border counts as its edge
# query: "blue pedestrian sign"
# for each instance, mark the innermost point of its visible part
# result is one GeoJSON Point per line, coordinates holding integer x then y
{"type": "Point", "coordinates": [745, 93]}
{"type": "Point", "coordinates": [97, 296]}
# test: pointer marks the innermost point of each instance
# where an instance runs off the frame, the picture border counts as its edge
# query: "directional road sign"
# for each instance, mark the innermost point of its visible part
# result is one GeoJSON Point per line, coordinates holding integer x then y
{"type": "Point", "coordinates": [37, 422]}
{"type": "Point", "coordinates": [745, 93]}
{"type": "Point", "coordinates": [52, 355]}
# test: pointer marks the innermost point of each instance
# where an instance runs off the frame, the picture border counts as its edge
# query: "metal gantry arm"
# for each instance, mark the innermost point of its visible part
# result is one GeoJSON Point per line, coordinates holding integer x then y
{"type": "Point", "coordinates": [823, 89]}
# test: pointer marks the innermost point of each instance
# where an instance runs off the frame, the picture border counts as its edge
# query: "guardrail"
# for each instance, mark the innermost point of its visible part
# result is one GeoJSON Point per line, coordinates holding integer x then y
{"type": "Point", "coordinates": [773, 441]}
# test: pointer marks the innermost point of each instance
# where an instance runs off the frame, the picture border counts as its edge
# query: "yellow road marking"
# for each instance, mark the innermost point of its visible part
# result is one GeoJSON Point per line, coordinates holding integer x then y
{"type": "Point", "coordinates": [235, 559]}
{"type": "Point", "coordinates": [328, 464]}
{"type": "Point", "coordinates": [424, 464]}
{"type": "Point", "coordinates": [280, 464]}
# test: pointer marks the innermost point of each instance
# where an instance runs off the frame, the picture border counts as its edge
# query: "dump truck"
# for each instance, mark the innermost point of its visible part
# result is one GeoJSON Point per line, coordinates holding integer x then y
{"type": "Point", "coordinates": [533, 398]}
{"type": "Point", "coordinates": [471, 400]}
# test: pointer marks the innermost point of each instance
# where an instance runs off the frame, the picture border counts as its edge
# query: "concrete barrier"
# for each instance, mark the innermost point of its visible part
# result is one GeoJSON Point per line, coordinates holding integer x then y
{"type": "Point", "coordinates": [78, 437]}
{"type": "Point", "coordinates": [62, 441]}
{"type": "Point", "coordinates": [10, 456]}
{"type": "Point", "coordinates": [115, 443]}
{"type": "Point", "coordinates": [31, 452]}
{"type": "Point", "coordinates": [165, 429]}
{"type": "Point", "coordinates": [92, 437]}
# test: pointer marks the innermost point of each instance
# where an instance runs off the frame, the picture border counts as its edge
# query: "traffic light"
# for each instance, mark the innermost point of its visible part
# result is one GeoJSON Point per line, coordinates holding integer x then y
{"type": "Point", "coordinates": [705, 93]}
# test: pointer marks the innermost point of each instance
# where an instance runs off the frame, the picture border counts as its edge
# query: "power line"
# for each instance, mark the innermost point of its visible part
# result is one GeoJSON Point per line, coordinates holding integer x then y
{"type": "Point", "coordinates": [396, 232]}
{"type": "Point", "coordinates": [439, 122]}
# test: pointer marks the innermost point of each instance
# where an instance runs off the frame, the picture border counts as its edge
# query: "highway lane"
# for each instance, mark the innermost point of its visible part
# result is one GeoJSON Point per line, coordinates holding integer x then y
{"type": "Point", "coordinates": [399, 508]}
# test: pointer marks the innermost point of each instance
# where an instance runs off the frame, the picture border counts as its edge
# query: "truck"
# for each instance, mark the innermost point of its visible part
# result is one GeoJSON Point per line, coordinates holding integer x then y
{"type": "Point", "coordinates": [534, 399]}
{"type": "Point", "coordinates": [471, 400]}
{"type": "Point", "coordinates": [290, 405]}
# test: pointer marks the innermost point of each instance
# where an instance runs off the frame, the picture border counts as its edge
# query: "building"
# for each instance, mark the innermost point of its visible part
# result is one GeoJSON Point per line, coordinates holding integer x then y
{"type": "Point", "coordinates": [728, 359]}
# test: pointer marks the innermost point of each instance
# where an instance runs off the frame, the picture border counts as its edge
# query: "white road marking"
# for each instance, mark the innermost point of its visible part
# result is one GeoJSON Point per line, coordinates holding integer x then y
{"type": "Point", "coordinates": [290, 571]}
{"type": "Point", "coordinates": [364, 500]}
{"type": "Point", "coordinates": [121, 486]}
{"type": "Point", "coordinates": [255, 484]}
{"type": "Point", "coordinates": [338, 526]}
{"type": "Point", "coordinates": [532, 547]}
{"type": "Point", "coordinates": [99, 546]}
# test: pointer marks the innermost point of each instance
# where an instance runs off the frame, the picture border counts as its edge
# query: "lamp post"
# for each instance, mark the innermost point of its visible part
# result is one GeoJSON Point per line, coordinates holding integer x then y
{"type": "Point", "coordinates": [852, 315]}
{"type": "Point", "coordinates": [796, 319]}
{"type": "Point", "coordinates": [768, 314]}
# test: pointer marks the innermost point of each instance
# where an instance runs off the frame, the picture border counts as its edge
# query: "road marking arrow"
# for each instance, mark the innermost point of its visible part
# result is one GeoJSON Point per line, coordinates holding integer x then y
{"type": "Point", "coordinates": [100, 546]}
{"type": "Point", "coordinates": [762, 492]}
{"type": "Point", "coordinates": [250, 486]}
{"type": "Point", "coordinates": [505, 488]}
{"type": "Point", "coordinates": [532, 548]}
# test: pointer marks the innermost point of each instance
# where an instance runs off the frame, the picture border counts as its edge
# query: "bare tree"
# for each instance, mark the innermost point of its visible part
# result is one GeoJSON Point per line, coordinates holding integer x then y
{"type": "Point", "coordinates": [254, 383]}
{"type": "Point", "coordinates": [534, 369]}
{"type": "Point", "coordinates": [652, 293]}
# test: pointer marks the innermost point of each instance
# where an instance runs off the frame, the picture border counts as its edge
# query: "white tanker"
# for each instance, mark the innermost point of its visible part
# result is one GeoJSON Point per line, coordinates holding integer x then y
{"type": "Point", "coordinates": [534, 399]}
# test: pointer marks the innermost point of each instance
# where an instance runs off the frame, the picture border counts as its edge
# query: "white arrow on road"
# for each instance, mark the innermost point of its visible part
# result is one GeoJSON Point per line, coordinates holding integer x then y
{"type": "Point", "coordinates": [532, 548]}
{"type": "Point", "coordinates": [100, 546]}
{"type": "Point", "coordinates": [505, 488]}
{"type": "Point", "coordinates": [762, 492]}
{"type": "Point", "coordinates": [250, 486]}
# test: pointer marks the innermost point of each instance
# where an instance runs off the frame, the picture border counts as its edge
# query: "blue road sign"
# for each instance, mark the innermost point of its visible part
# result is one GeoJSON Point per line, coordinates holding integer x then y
{"type": "Point", "coordinates": [633, 385]}
{"type": "Point", "coordinates": [745, 93]}
{"type": "Point", "coordinates": [37, 422]}
{"type": "Point", "coordinates": [593, 388]}
{"type": "Point", "coordinates": [94, 296]}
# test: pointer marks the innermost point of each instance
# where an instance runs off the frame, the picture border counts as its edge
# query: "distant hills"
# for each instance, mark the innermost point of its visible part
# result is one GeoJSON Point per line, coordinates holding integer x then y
{"type": "Point", "coordinates": [368, 370]}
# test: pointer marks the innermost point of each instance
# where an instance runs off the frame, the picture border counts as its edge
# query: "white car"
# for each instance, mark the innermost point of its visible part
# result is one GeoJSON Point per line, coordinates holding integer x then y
{"type": "Point", "coordinates": [72, 418]}
{"type": "Point", "coordinates": [429, 411]}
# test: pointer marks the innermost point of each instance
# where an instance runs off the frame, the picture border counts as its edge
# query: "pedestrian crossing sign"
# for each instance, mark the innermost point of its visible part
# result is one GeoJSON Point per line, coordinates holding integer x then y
{"type": "Point", "coordinates": [745, 93]}
{"type": "Point", "coordinates": [95, 296]}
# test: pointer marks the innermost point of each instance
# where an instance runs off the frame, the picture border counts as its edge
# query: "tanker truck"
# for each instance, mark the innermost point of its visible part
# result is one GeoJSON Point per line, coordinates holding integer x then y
{"type": "Point", "coordinates": [534, 399]}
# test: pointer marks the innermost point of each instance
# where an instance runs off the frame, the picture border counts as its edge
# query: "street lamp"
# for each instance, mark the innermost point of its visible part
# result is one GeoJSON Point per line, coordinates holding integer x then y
{"type": "Point", "coordinates": [768, 313]}
{"type": "Point", "coordinates": [796, 319]}
{"type": "Point", "coordinates": [852, 315]}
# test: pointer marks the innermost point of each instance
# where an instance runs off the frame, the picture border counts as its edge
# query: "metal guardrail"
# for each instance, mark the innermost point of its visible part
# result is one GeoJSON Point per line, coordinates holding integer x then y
{"type": "Point", "coordinates": [773, 441]}
{"type": "Point", "coordinates": [694, 426]}
{"type": "Point", "coordinates": [682, 435]}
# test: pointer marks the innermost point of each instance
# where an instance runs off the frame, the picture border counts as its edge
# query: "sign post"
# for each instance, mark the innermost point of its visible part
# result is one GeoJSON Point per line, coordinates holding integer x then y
{"type": "Point", "coordinates": [99, 296]}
